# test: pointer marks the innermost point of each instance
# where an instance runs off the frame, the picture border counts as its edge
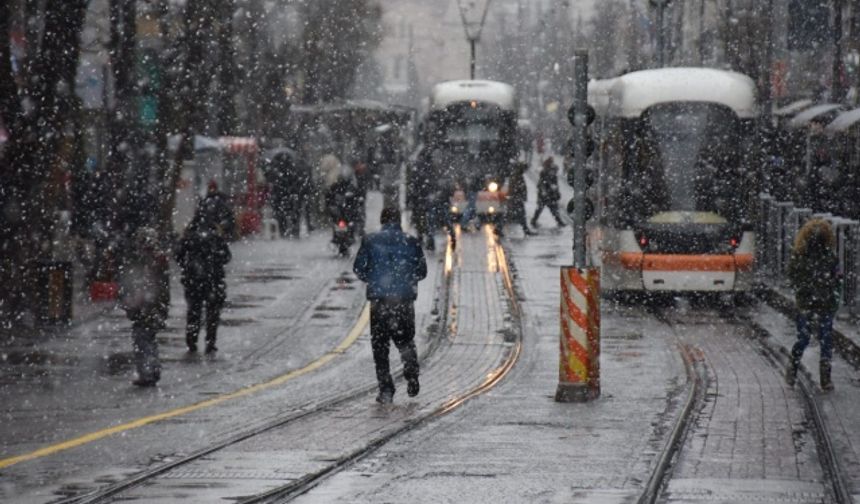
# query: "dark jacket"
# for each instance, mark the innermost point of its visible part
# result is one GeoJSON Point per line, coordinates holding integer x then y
{"type": "Point", "coordinates": [215, 209]}
{"type": "Point", "coordinates": [290, 177]}
{"type": "Point", "coordinates": [342, 200]}
{"type": "Point", "coordinates": [202, 255]}
{"type": "Point", "coordinates": [392, 263]}
{"type": "Point", "coordinates": [548, 185]}
{"type": "Point", "coordinates": [517, 190]}
{"type": "Point", "coordinates": [813, 272]}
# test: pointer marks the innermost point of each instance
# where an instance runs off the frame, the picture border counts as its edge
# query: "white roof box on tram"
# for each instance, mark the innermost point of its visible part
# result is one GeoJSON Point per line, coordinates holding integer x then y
{"type": "Point", "coordinates": [598, 95]}
{"type": "Point", "coordinates": [631, 94]}
{"type": "Point", "coordinates": [450, 92]}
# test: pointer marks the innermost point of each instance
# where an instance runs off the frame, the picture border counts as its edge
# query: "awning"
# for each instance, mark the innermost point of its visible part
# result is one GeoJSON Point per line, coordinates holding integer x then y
{"type": "Point", "coordinates": [792, 108]}
{"type": "Point", "coordinates": [844, 121]}
{"type": "Point", "coordinates": [803, 119]}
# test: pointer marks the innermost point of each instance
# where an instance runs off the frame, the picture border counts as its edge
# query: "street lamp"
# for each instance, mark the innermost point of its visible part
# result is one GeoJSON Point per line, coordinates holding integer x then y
{"type": "Point", "coordinates": [660, 5]}
{"type": "Point", "coordinates": [473, 31]}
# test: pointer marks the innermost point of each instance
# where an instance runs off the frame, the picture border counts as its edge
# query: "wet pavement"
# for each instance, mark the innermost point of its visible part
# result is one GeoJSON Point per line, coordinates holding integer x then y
{"type": "Point", "coordinates": [290, 306]}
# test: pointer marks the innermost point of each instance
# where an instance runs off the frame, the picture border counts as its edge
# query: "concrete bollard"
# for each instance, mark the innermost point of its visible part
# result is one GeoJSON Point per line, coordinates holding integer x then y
{"type": "Point", "coordinates": [579, 366]}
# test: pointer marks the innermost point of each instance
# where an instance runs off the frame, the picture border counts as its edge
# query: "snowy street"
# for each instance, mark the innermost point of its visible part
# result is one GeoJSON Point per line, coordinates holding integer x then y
{"type": "Point", "coordinates": [485, 426]}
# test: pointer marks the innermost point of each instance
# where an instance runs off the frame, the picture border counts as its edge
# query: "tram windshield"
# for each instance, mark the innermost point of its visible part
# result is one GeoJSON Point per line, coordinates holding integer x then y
{"type": "Point", "coordinates": [689, 160]}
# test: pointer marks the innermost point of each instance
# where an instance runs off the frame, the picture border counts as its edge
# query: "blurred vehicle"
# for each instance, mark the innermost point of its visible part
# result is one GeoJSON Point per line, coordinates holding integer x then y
{"type": "Point", "coordinates": [472, 129]}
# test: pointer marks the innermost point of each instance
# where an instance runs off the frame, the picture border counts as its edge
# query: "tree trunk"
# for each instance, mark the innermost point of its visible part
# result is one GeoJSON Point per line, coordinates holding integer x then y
{"type": "Point", "coordinates": [32, 152]}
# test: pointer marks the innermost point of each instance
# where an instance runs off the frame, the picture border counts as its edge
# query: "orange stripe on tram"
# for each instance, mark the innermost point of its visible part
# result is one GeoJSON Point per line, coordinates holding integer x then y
{"type": "Point", "coordinates": [686, 262]}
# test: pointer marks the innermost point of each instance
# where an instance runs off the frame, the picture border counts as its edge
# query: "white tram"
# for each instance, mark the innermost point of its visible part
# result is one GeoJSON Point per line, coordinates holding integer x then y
{"type": "Point", "coordinates": [472, 128]}
{"type": "Point", "coordinates": [677, 185]}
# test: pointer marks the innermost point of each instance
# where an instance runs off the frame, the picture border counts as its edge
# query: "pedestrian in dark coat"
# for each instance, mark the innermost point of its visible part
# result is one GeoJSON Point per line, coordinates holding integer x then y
{"type": "Point", "coordinates": [141, 262]}
{"type": "Point", "coordinates": [291, 188]}
{"type": "Point", "coordinates": [548, 193]}
{"type": "Point", "coordinates": [517, 196]}
{"type": "Point", "coordinates": [813, 272]}
{"type": "Point", "coordinates": [392, 263]}
{"type": "Point", "coordinates": [422, 182]}
{"type": "Point", "coordinates": [202, 254]}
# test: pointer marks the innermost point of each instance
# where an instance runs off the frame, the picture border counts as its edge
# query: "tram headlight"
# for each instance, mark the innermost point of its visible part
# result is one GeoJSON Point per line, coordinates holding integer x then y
{"type": "Point", "coordinates": [493, 187]}
{"type": "Point", "coordinates": [454, 209]}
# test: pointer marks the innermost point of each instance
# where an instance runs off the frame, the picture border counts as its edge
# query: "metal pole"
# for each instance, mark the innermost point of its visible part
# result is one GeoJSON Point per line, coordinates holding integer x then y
{"type": "Point", "coordinates": [838, 90]}
{"type": "Point", "coordinates": [661, 34]}
{"type": "Point", "coordinates": [766, 89]}
{"type": "Point", "coordinates": [580, 104]}
{"type": "Point", "coordinates": [472, 41]}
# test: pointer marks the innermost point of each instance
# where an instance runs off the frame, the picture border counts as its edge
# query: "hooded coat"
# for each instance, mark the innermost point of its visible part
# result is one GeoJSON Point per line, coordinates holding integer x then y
{"type": "Point", "coordinates": [813, 268]}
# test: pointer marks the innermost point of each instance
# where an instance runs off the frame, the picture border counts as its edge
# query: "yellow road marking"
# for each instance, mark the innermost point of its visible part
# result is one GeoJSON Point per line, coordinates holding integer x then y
{"type": "Point", "coordinates": [353, 335]}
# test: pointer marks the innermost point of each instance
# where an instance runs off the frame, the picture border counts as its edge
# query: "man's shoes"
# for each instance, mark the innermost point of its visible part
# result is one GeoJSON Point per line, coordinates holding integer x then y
{"type": "Point", "coordinates": [528, 232]}
{"type": "Point", "coordinates": [145, 382]}
{"type": "Point", "coordinates": [211, 348]}
{"type": "Point", "coordinates": [790, 375]}
{"type": "Point", "coordinates": [826, 380]}
{"type": "Point", "coordinates": [192, 347]}
{"type": "Point", "coordinates": [385, 397]}
{"type": "Point", "coordinates": [412, 387]}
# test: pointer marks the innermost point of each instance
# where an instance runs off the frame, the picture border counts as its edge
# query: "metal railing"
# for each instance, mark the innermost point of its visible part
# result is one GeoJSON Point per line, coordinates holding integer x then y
{"type": "Point", "coordinates": [778, 224]}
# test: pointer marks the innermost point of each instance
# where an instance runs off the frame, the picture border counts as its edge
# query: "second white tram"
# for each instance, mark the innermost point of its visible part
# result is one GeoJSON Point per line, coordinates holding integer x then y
{"type": "Point", "coordinates": [677, 185]}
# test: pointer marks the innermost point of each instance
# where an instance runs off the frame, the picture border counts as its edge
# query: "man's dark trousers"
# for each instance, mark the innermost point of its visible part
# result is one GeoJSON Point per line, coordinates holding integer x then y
{"type": "Point", "coordinates": [393, 320]}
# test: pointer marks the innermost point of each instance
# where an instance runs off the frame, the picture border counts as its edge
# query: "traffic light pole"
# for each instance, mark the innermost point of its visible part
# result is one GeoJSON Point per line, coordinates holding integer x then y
{"type": "Point", "coordinates": [579, 309]}
{"type": "Point", "coordinates": [580, 105]}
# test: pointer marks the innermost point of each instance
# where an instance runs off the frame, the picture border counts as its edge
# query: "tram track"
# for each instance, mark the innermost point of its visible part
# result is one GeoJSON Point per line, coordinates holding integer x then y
{"type": "Point", "coordinates": [835, 480]}
{"type": "Point", "coordinates": [779, 358]}
{"type": "Point", "coordinates": [320, 408]}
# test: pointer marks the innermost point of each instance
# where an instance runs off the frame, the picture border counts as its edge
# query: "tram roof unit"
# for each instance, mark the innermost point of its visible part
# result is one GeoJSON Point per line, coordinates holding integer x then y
{"type": "Point", "coordinates": [598, 94]}
{"type": "Point", "coordinates": [631, 94]}
{"type": "Point", "coordinates": [450, 92]}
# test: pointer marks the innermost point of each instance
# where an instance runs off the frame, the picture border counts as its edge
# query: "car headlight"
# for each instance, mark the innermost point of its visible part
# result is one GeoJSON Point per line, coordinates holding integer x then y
{"type": "Point", "coordinates": [493, 187]}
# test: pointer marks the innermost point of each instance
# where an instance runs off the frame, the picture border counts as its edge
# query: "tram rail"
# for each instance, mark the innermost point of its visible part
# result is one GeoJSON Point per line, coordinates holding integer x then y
{"type": "Point", "coordinates": [836, 482]}
{"type": "Point", "coordinates": [779, 358]}
{"type": "Point", "coordinates": [307, 481]}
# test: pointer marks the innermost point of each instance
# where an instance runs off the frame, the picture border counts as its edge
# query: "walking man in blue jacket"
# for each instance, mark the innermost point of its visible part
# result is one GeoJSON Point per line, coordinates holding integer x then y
{"type": "Point", "coordinates": [392, 263]}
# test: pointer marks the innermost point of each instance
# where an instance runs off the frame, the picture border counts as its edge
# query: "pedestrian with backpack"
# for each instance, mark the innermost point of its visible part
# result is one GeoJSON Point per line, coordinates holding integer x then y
{"type": "Point", "coordinates": [813, 272]}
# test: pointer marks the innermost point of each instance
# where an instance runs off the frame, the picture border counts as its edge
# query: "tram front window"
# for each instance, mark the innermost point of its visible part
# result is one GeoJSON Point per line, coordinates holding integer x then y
{"type": "Point", "coordinates": [689, 159]}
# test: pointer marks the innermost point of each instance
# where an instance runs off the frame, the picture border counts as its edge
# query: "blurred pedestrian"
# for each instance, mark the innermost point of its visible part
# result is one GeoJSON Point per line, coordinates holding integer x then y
{"type": "Point", "coordinates": [202, 254]}
{"type": "Point", "coordinates": [517, 196]}
{"type": "Point", "coordinates": [813, 272]}
{"type": "Point", "coordinates": [141, 261]}
{"type": "Point", "coordinates": [215, 208]}
{"type": "Point", "coordinates": [421, 184]}
{"type": "Point", "coordinates": [291, 187]}
{"type": "Point", "coordinates": [548, 193]}
{"type": "Point", "coordinates": [343, 203]}
{"type": "Point", "coordinates": [392, 263]}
